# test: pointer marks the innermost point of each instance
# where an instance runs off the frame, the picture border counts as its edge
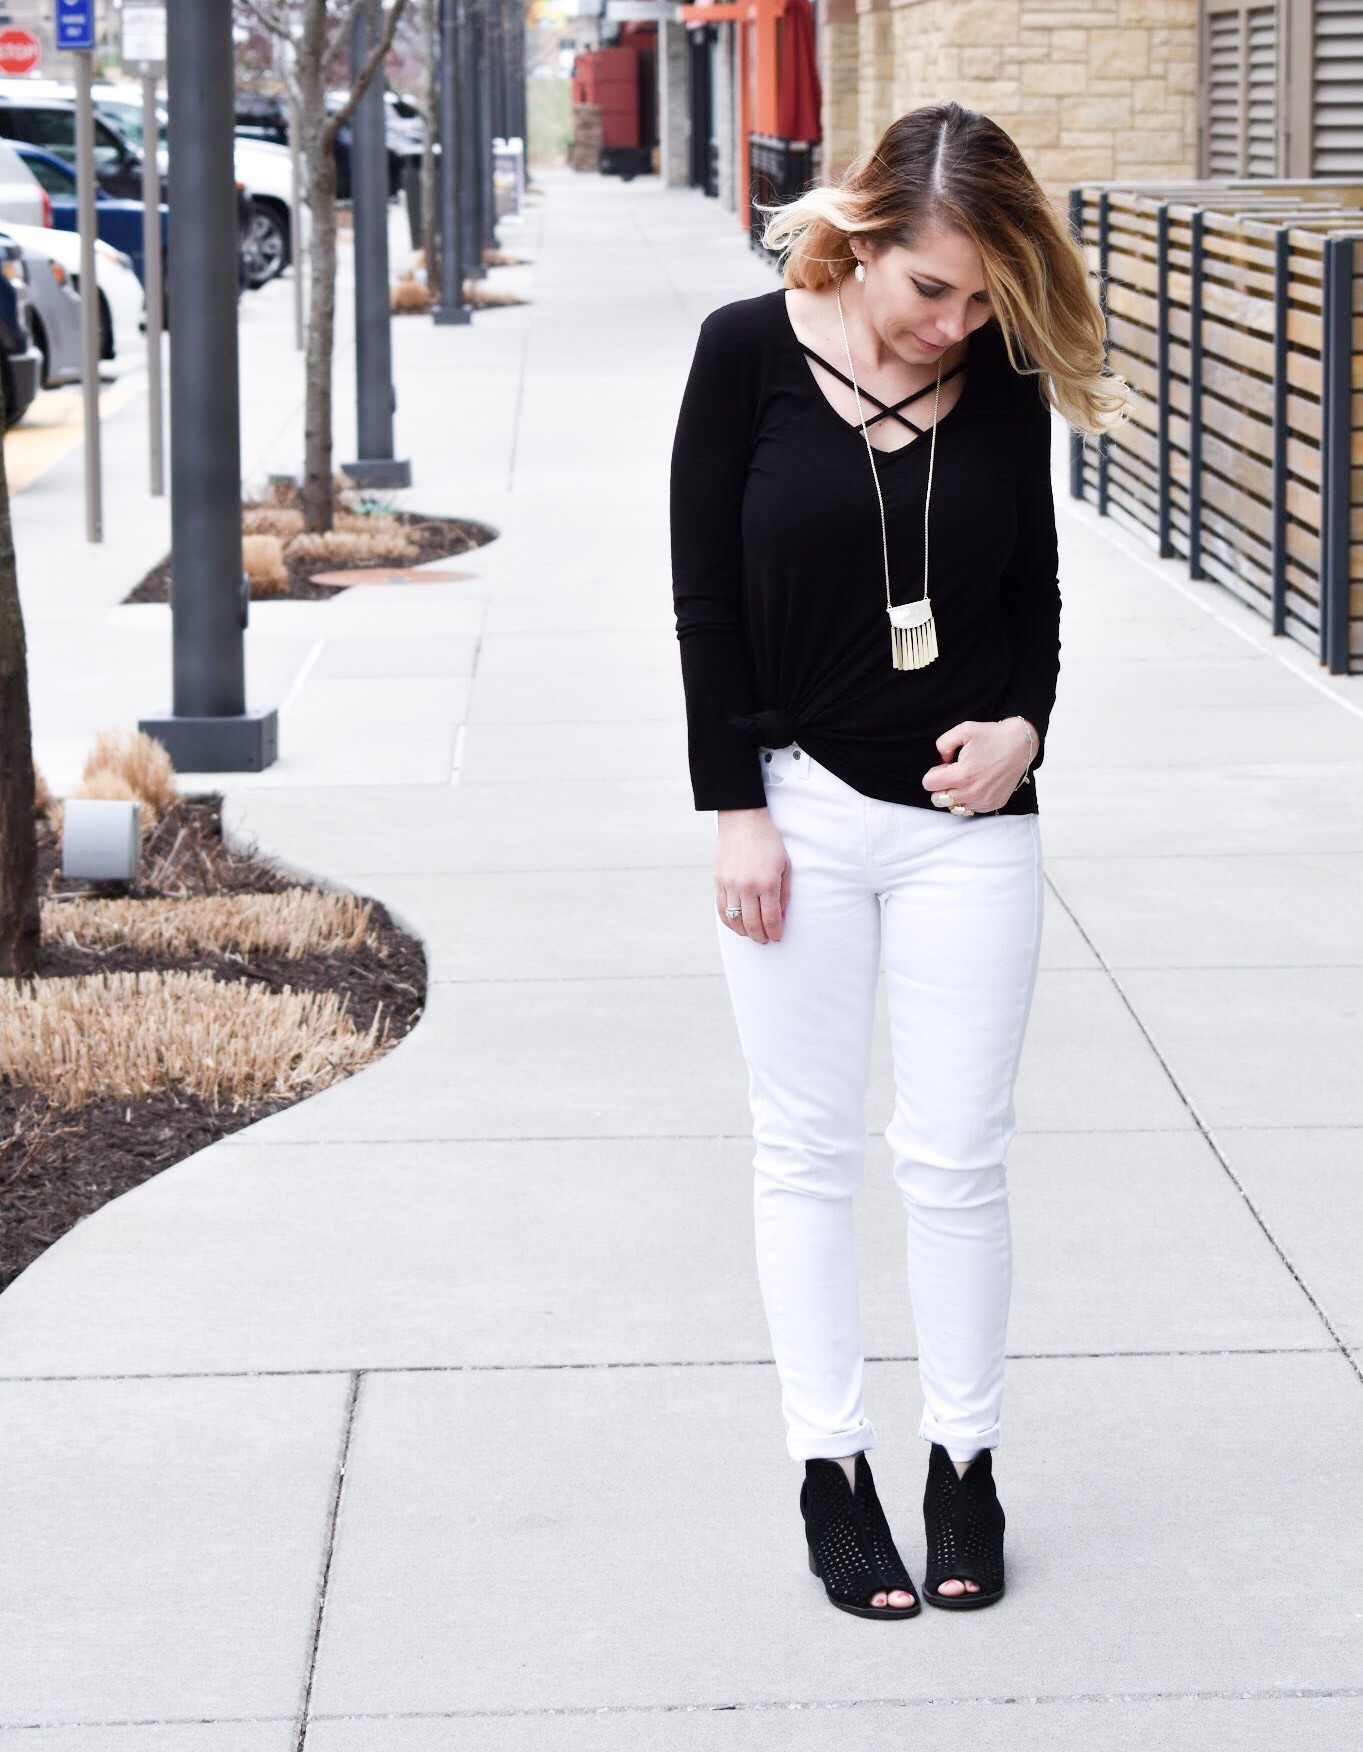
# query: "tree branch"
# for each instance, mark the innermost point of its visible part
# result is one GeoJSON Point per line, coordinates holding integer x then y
{"type": "Point", "coordinates": [340, 28]}
{"type": "Point", "coordinates": [375, 59]}
{"type": "Point", "coordinates": [269, 17]}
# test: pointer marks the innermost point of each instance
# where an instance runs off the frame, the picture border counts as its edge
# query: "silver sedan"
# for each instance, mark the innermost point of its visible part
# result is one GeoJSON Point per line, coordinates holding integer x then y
{"type": "Point", "coordinates": [56, 312]}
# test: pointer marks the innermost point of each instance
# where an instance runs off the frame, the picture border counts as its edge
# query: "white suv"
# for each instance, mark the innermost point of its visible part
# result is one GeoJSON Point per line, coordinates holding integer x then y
{"type": "Point", "coordinates": [21, 199]}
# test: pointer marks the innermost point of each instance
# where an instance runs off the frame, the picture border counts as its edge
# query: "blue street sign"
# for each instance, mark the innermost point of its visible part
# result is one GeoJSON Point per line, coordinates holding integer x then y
{"type": "Point", "coordinates": [75, 24]}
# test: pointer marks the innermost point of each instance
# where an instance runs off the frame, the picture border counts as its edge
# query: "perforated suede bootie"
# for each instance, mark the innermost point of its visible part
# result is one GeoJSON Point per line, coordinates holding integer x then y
{"type": "Point", "coordinates": [964, 1522]}
{"type": "Point", "coordinates": [850, 1547]}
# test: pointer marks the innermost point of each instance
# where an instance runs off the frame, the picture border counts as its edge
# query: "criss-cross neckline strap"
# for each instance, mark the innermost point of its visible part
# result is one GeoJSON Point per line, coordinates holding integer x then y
{"type": "Point", "coordinates": [885, 407]}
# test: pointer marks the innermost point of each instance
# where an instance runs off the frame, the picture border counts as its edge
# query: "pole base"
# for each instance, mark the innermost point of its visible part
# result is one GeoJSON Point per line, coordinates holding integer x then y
{"type": "Point", "coordinates": [379, 471]}
{"type": "Point", "coordinates": [245, 744]}
{"type": "Point", "coordinates": [446, 315]}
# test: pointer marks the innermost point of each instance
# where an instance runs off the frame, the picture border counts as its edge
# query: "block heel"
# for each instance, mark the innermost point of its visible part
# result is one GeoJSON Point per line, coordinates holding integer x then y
{"type": "Point", "coordinates": [849, 1543]}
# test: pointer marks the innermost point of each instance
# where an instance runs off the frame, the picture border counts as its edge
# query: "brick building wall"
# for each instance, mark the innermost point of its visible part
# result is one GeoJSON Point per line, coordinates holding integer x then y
{"type": "Point", "coordinates": [1087, 88]}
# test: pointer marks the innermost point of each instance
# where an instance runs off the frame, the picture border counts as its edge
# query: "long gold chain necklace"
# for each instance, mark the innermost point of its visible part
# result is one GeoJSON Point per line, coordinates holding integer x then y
{"type": "Point", "coordinates": [913, 632]}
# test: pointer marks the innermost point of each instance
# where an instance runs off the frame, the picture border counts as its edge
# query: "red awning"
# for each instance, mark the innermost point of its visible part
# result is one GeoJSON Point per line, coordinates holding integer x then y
{"type": "Point", "coordinates": [799, 96]}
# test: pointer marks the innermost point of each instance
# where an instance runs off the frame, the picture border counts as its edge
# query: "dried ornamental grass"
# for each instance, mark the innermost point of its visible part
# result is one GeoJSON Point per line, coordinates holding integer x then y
{"type": "Point", "coordinates": [279, 520]}
{"type": "Point", "coordinates": [139, 760]}
{"type": "Point", "coordinates": [262, 559]}
{"type": "Point", "coordinates": [410, 294]}
{"type": "Point", "coordinates": [483, 297]}
{"type": "Point", "coordinates": [377, 523]}
{"type": "Point", "coordinates": [293, 923]}
{"type": "Point", "coordinates": [43, 800]}
{"type": "Point", "coordinates": [130, 1036]}
{"type": "Point", "coordinates": [344, 547]}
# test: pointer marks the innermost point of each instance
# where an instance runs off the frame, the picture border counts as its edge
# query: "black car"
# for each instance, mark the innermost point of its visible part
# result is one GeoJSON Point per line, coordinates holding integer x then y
{"type": "Point", "coordinates": [260, 117]}
{"type": "Point", "coordinates": [51, 124]}
{"type": "Point", "coordinates": [21, 364]}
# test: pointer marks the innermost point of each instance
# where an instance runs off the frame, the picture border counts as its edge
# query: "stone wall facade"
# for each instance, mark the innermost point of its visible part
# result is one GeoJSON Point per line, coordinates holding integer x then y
{"type": "Point", "coordinates": [674, 106]}
{"type": "Point", "coordinates": [1087, 88]}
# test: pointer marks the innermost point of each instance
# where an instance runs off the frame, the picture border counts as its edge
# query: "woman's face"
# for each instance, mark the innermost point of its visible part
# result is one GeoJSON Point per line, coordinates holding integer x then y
{"type": "Point", "coordinates": [925, 299]}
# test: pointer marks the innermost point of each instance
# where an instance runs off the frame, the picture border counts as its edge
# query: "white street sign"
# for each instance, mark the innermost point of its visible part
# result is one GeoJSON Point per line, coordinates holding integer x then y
{"type": "Point", "coordinates": [144, 35]}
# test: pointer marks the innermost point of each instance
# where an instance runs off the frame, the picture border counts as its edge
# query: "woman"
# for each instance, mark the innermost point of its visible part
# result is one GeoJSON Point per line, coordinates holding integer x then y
{"type": "Point", "coordinates": [869, 630]}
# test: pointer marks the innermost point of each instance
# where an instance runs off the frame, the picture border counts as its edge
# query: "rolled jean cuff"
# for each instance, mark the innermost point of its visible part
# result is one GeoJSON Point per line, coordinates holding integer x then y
{"type": "Point", "coordinates": [960, 1448]}
{"type": "Point", "coordinates": [817, 1445]}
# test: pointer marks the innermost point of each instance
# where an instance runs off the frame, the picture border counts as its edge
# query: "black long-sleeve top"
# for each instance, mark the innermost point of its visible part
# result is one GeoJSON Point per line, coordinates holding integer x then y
{"type": "Point", "coordinates": [779, 577]}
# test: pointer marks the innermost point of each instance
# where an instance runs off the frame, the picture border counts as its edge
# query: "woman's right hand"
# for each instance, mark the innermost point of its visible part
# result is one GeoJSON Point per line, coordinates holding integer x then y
{"type": "Point", "coordinates": [751, 871]}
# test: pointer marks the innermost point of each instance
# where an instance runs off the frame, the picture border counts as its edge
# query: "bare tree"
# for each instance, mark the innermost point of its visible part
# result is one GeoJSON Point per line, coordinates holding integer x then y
{"type": "Point", "coordinates": [429, 13]}
{"type": "Point", "coordinates": [19, 925]}
{"type": "Point", "coordinates": [317, 33]}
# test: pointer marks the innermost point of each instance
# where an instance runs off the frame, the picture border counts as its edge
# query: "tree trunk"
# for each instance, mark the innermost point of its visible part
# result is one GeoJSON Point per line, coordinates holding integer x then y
{"type": "Point", "coordinates": [318, 507]}
{"type": "Point", "coordinates": [320, 165]}
{"type": "Point", "coordinates": [318, 131]}
{"type": "Point", "coordinates": [19, 919]}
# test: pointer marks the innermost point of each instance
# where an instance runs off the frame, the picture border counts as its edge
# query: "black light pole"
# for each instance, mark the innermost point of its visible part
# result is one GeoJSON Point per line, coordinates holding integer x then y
{"type": "Point", "coordinates": [209, 729]}
{"type": "Point", "coordinates": [518, 121]}
{"type": "Point", "coordinates": [496, 120]}
{"type": "Point", "coordinates": [451, 308]}
{"type": "Point", "coordinates": [487, 206]}
{"type": "Point", "coordinates": [470, 156]}
{"type": "Point", "coordinates": [376, 466]}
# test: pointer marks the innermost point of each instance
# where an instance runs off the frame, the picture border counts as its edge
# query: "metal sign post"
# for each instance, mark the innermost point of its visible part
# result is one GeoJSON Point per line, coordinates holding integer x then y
{"type": "Point", "coordinates": [144, 48]}
{"type": "Point", "coordinates": [89, 284]}
{"type": "Point", "coordinates": [285, 61]}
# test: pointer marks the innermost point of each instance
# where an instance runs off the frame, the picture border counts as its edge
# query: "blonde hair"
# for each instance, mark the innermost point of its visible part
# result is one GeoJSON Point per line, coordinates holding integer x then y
{"type": "Point", "coordinates": [947, 167]}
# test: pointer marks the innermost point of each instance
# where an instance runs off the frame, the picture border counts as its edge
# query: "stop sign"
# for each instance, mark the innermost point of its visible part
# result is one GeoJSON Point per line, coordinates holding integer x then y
{"type": "Point", "coordinates": [20, 50]}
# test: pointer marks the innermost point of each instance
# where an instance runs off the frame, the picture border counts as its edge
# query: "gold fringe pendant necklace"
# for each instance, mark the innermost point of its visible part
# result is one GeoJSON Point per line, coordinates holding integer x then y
{"type": "Point", "coordinates": [913, 632]}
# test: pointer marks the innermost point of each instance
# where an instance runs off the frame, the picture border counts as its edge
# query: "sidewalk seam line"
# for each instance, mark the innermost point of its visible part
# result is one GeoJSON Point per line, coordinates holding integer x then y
{"type": "Point", "coordinates": [338, 1488]}
{"type": "Point", "coordinates": [1205, 1129]}
{"type": "Point", "coordinates": [530, 1368]}
{"type": "Point", "coordinates": [1231, 1694]}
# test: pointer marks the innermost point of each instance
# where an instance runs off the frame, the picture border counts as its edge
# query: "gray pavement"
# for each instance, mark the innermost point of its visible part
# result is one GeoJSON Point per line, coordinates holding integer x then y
{"type": "Point", "coordinates": [437, 1411]}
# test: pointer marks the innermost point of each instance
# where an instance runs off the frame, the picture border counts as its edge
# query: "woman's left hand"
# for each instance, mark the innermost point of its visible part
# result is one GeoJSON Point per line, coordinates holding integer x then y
{"type": "Point", "coordinates": [989, 767]}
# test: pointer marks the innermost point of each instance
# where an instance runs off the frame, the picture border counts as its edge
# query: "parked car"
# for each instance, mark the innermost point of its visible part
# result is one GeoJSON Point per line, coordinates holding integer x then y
{"type": "Point", "coordinates": [20, 361]}
{"type": "Point", "coordinates": [51, 123]}
{"type": "Point", "coordinates": [267, 172]}
{"type": "Point", "coordinates": [263, 170]}
{"type": "Point", "coordinates": [122, 105]}
{"type": "Point", "coordinates": [121, 301]}
{"type": "Point", "coordinates": [55, 306]}
{"type": "Point", "coordinates": [21, 196]}
{"type": "Point", "coordinates": [118, 222]}
{"type": "Point", "coordinates": [264, 120]}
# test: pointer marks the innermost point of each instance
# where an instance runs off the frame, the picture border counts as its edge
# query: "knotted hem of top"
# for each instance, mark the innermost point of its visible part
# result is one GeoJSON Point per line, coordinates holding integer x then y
{"type": "Point", "coordinates": [771, 728]}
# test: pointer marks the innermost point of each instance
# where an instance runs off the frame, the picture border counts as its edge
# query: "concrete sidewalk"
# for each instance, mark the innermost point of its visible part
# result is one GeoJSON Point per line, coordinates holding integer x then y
{"type": "Point", "coordinates": [437, 1411]}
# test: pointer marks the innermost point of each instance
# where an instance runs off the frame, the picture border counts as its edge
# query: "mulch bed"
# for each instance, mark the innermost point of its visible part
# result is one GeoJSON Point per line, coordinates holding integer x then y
{"type": "Point", "coordinates": [57, 1166]}
{"type": "Point", "coordinates": [438, 538]}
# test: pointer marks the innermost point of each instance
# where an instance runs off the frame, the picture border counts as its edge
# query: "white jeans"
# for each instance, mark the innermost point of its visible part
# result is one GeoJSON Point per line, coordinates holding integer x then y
{"type": "Point", "coordinates": [960, 932]}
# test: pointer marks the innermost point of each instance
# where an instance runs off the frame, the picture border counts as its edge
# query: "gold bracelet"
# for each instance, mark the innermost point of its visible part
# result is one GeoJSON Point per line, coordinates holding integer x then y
{"type": "Point", "coordinates": [1026, 778]}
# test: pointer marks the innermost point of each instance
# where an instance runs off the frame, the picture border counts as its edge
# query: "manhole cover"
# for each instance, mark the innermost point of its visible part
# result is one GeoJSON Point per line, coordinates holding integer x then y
{"type": "Point", "coordinates": [389, 575]}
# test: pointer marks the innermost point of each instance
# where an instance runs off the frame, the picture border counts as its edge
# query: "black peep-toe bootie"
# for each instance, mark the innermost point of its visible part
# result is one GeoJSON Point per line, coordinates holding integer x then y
{"type": "Point", "coordinates": [964, 1521]}
{"type": "Point", "coordinates": [850, 1547]}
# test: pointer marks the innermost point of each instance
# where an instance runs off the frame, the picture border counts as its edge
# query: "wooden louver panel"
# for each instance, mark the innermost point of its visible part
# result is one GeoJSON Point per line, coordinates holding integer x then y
{"type": "Point", "coordinates": [1261, 91]}
{"type": "Point", "coordinates": [1337, 89]}
{"type": "Point", "coordinates": [1243, 90]}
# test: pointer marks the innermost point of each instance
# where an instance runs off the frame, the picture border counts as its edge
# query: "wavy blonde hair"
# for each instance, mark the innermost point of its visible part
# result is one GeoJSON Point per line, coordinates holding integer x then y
{"type": "Point", "coordinates": [947, 167]}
